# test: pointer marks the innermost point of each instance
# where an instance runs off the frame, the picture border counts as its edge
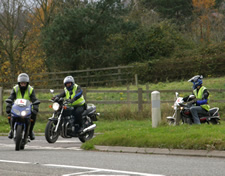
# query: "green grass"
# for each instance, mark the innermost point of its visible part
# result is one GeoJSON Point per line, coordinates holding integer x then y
{"type": "Point", "coordinates": [141, 134]}
{"type": "Point", "coordinates": [123, 125]}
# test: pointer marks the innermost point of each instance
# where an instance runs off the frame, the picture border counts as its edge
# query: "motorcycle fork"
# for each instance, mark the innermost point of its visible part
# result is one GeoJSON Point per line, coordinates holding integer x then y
{"type": "Point", "coordinates": [59, 119]}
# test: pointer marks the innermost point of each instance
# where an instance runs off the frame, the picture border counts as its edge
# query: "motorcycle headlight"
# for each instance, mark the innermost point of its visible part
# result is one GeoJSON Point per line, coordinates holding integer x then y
{"type": "Point", "coordinates": [55, 106]}
{"type": "Point", "coordinates": [23, 113]}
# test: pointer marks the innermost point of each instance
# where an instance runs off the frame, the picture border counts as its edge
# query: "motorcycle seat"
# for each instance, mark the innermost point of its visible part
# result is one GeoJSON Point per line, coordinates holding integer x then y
{"type": "Point", "coordinates": [90, 109]}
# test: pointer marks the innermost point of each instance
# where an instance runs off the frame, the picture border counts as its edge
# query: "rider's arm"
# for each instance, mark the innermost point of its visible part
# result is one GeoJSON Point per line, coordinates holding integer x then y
{"type": "Point", "coordinates": [204, 100]}
{"type": "Point", "coordinates": [11, 97]}
{"type": "Point", "coordinates": [185, 99]}
{"type": "Point", "coordinates": [33, 98]}
{"type": "Point", "coordinates": [63, 94]}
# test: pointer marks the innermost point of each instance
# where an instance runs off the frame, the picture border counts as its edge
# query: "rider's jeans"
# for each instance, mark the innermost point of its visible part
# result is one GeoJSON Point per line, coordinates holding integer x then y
{"type": "Point", "coordinates": [195, 110]}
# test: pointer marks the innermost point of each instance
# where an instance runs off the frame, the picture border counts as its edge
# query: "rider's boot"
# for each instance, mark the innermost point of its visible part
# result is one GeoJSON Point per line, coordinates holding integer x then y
{"type": "Point", "coordinates": [31, 133]}
{"type": "Point", "coordinates": [10, 136]}
{"type": "Point", "coordinates": [81, 126]}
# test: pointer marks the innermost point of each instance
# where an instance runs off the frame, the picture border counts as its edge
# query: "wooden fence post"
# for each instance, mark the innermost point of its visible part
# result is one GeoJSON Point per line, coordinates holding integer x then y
{"type": "Point", "coordinates": [140, 103]}
{"type": "Point", "coordinates": [147, 94]}
{"type": "Point", "coordinates": [88, 75]}
{"type": "Point", "coordinates": [128, 95]}
{"type": "Point", "coordinates": [1, 101]}
{"type": "Point", "coordinates": [85, 93]}
{"type": "Point", "coordinates": [136, 79]}
{"type": "Point", "coordinates": [119, 73]}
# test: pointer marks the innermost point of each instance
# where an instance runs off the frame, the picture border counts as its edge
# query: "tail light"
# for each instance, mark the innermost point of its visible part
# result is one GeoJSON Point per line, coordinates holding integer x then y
{"type": "Point", "coordinates": [187, 112]}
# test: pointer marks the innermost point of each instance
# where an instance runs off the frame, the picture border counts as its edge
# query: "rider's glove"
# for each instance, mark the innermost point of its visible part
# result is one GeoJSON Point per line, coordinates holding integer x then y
{"type": "Point", "coordinates": [8, 110]}
{"type": "Point", "coordinates": [70, 100]}
{"type": "Point", "coordinates": [34, 111]}
{"type": "Point", "coordinates": [55, 98]}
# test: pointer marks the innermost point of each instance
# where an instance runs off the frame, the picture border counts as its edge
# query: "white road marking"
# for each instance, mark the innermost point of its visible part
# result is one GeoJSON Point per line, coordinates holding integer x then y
{"type": "Point", "coordinates": [91, 169]}
{"type": "Point", "coordinates": [17, 162]}
{"type": "Point", "coordinates": [101, 170]}
{"type": "Point", "coordinates": [78, 173]}
{"type": "Point", "coordinates": [43, 148]}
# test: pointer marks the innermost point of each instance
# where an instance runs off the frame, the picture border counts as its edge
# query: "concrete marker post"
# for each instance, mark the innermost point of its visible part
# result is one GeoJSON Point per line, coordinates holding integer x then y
{"type": "Point", "coordinates": [156, 109]}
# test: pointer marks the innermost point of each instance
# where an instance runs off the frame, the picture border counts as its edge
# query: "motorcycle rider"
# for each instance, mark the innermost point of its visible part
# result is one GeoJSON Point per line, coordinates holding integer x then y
{"type": "Point", "coordinates": [74, 95]}
{"type": "Point", "coordinates": [202, 96]}
{"type": "Point", "coordinates": [25, 91]}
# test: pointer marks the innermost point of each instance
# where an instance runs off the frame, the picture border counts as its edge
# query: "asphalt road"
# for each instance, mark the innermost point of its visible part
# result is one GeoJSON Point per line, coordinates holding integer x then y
{"type": "Point", "coordinates": [66, 158]}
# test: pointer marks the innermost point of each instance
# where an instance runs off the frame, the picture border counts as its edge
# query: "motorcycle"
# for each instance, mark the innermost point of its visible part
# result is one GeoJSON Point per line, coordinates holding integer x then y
{"type": "Point", "coordinates": [182, 112]}
{"type": "Point", "coordinates": [21, 118]}
{"type": "Point", "coordinates": [62, 122]}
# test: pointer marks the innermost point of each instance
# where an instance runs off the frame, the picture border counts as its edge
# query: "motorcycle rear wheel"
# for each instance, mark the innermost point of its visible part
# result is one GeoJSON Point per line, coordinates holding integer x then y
{"type": "Point", "coordinates": [214, 121]}
{"type": "Point", "coordinates": [50, 135]}
{"type": "Point", "coordinates": [87, 136]}
{"type": "Point", "coordinates": [18, 138]}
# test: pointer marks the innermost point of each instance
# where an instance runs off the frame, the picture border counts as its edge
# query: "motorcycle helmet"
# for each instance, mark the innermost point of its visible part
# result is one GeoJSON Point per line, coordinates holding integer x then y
{"type": "Point", "coordinates": [69, 79]}
{"type": "Point", "coordinates": [23, 77]}
{"type": "Point", "coordinates": [196, 80]}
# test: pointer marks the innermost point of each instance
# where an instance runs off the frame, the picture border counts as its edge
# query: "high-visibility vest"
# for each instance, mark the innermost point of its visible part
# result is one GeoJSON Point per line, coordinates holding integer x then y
{"type": "Point", "coordinates": [26, 95]}
{"type": "Point", "coordinates": [78, 102]}
{"type": "Point", "coordinates": [199, 96]}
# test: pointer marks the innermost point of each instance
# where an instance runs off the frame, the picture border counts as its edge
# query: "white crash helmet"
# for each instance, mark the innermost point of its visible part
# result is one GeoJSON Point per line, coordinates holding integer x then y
{"type": "Point", "coordinates": [23, 77]}
{"type": "Point", "coordinates": [68, 79]}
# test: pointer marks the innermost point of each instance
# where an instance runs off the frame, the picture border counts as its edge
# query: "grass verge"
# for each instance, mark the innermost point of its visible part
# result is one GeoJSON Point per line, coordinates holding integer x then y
{"type": "Point", "coordinates": [141, 134]}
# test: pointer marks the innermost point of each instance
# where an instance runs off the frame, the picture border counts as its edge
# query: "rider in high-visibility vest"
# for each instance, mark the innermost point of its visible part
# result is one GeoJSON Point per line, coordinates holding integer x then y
{"type": "Point", "coordinates": [25, 91]}
{"type": "Point", "coordinates": [74, 94]}
{"type": "Point", "coordinates": [202, 98]}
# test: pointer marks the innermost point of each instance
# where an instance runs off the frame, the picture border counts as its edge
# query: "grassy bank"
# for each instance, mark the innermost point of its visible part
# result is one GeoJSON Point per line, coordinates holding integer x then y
{"type": "Point", "coordinates": [141, 134]}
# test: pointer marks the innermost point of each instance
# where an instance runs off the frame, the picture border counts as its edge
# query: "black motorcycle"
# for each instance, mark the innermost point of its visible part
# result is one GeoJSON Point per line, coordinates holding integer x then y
{"type": "Point", "coordinates": [62, 122]}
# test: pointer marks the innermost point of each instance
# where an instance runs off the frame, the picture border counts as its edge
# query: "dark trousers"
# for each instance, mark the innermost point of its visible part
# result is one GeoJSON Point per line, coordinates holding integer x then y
{"type": "Point", "coordinates": [77, 112]}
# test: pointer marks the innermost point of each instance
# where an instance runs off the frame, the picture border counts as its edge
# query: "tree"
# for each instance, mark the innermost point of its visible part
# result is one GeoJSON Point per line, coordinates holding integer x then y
{"type": "Point", "coordinates": [177, 10]}
{"type": "Point", "coordinates": [203, 10]}
{"type": "Point", "coordinates": [76, 37]}
{"type": "Point", "coordinates": [13, 32]}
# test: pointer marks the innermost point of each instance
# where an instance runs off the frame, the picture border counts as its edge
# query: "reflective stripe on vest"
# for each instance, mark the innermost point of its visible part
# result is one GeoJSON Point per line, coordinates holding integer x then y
{"type": "Point", "coordinates": [199, 96]}
{"type": "Point", "coordinates": [27, 93]}
{"type": "Point", "coordinates": [79, 101]}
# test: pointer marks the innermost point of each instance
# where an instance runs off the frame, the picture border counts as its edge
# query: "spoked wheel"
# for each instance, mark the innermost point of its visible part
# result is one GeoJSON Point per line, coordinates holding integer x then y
{"type": "Point", "coordinates": [171, 122]}
{"type": "Point", "coordinates": [214, 121]}
{"type": "Point", "coordinates": [50, 135]}
{"type": "Point", "coordinates": [87, 136]}
{"type": "Point", "coordinates": [18, 137]}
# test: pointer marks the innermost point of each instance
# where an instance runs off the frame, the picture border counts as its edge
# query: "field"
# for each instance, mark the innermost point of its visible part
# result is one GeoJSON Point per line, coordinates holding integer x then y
{"type": "Point", "coordinates": [123, 125]}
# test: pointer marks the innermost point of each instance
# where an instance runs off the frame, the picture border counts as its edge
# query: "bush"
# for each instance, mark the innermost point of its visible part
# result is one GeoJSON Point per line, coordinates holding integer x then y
{"type": "Point", "coordinates": [209, 62]}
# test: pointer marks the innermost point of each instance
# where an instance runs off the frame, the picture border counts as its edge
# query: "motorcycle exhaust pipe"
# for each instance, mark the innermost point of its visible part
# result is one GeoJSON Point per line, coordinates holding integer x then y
{"type": "Point", "coordinates": [89, 128]}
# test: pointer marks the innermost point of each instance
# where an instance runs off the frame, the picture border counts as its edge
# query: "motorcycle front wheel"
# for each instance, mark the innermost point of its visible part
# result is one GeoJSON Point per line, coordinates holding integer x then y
{"type": "Point", "coordinates": [50, 135]}
{"type": "Point", "coordinates": [18, 137]}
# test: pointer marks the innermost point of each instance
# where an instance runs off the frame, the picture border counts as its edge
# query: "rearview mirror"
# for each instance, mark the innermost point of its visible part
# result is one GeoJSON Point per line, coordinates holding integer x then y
{"type": "Point", "coordinates": [177, 94]}
{"type": "Point", "coordinates": [51, 90]}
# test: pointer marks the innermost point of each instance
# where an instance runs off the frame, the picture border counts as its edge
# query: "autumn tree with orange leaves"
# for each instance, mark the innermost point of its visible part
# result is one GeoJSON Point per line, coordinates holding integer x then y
{"type": "Point", "coordinates": [203, 12]}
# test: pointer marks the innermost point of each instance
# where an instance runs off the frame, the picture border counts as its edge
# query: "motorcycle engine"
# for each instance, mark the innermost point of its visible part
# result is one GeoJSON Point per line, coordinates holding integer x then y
{"type": "Point", "coordinates": [70, 126]}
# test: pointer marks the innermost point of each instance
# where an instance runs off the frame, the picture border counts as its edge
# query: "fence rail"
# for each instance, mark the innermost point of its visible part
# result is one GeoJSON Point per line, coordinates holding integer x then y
{"type": "Point", "coordinates": [139, 101]}
{"type": "Point", "coordinates": [87, 77]}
